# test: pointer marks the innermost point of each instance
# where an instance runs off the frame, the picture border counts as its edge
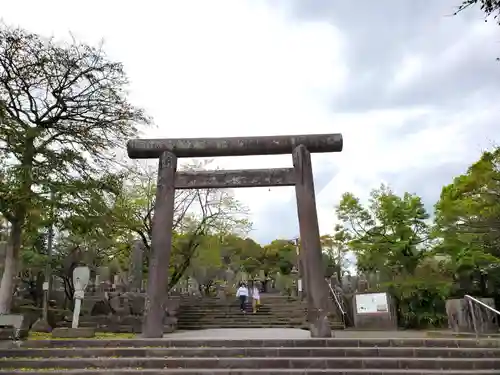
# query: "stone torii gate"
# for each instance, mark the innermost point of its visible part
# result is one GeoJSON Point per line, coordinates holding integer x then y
{"type": "Point", "coordinates": [300, 176]}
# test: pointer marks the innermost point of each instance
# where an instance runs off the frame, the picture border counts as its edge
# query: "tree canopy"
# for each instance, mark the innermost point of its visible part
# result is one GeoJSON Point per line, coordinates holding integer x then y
{"type": "Point", "coordinates": [64, 111]}
{"type": "Point", "coordinates": [489, 7]}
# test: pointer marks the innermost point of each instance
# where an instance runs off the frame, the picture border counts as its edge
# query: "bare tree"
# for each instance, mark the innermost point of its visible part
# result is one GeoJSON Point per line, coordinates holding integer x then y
{"type": "Point", "coordinates": [197, 213]}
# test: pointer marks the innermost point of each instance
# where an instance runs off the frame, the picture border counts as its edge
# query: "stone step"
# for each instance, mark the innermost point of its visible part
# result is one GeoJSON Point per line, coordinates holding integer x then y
{"type": "Point", "coordinates": [281, 309]}
{"type": "Point", "coordinates": [257, 323]}
{"type": "Point", "coordinates": [250, 372]}
{"type": "Point", "coordinates": [263, 296]}
{"type": "Point", "coordinates": [297, 343]}
{"type": "Point", "coordinates": [242, 319]}
{"type": "Point", "coordinates": [209, 320]}
{"type": "Point", "coordinates": [255, 363]}
{"type": "Point", "coordinates": [223, 314]}
{"type": "Point", "coordinates": [266, 297]}
{"type": "Point", "coordinates": [248, 308]}
{"type": "Point", "coordinates": [250, 321]}
{"type": "Point", "coordinates": [236, 301]}
{"type": "Point", "coordinates": [221, 323]}
{"type": "Point", "coordinates": [239, 314]}
{"type": "Point", "coordinates": [261, 311]}
{"type": "Point", "coordinates": [239, 317]}
{"type": "Point", "coordinates": [196, 326]}
{"type": "Point", "coordinates": [241, 323]}
{"type": "Point", "coordinates": [408, 352]}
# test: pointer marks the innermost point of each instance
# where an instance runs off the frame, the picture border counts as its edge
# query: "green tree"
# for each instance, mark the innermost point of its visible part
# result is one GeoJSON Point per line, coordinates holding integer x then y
{"type": "Point", "coordinates": [207, 264]}
{"type": "Point", "coordinates": [64, 110]}
{"type": "Point", "coordinates": [467, 222]}
{"type": "Point", "coordinates": [335, 248]}
{"type": "Point", "coordinates": [279, 256]}
{"type": "Point", "coordinates": [389, 235]}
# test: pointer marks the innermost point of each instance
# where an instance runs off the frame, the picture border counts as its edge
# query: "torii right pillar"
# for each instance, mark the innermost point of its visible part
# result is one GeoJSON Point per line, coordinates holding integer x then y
{"type": "Point", "coordinates": [317, 293]}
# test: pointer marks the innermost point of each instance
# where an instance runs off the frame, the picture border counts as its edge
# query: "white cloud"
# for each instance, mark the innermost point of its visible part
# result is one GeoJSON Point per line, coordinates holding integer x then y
{"type": "Point", "coordinates": [411, 70]}
{"type": "Point", "coordinates": [228, 68]}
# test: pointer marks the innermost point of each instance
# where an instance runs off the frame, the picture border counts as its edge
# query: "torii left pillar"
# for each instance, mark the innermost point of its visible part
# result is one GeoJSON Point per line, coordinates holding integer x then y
{"type": "Point", "coordinates": [161, 244]}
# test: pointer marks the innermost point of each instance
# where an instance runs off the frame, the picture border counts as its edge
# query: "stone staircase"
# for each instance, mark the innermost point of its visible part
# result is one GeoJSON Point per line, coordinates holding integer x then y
{"type": "Point", "coordinates": [276, 311]}
{"type": "Point", "coordinates": [252, 357]}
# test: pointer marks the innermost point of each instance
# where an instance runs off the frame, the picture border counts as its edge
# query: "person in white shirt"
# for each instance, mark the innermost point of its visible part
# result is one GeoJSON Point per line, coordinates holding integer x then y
{"type": "Point", "coordinates": [255, 298]}
{"type": "Point", "coordinates": [242, 294]}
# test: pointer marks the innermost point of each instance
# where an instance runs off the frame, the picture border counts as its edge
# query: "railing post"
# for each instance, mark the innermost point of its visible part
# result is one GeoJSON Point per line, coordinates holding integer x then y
{"type": "Point", "coordinates": [336, 299]}
{"type": "Point", "coordinates": [474, 324]}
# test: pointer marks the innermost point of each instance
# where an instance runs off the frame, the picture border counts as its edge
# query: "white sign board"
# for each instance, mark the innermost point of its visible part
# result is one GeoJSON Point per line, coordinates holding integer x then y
{"type": "Point", "coordinates": [372, 303]}
{"type": "Point", "coordinates": [45, 285]}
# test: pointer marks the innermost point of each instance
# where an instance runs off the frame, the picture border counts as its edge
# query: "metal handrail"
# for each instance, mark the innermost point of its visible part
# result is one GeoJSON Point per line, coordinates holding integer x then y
{"type": "Point", "coordinates": [339, 305]}
{"type": "Point", "coordinates": [471, 299]}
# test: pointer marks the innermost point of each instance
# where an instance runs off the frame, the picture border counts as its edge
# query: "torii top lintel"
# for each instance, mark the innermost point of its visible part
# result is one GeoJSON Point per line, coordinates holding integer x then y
{"type": "Point", "coordinates": [233, 146]}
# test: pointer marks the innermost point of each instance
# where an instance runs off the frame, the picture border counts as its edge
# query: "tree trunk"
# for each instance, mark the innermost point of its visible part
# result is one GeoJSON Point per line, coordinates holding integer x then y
{"type": "Point", "coordinates": [10, 271]}
{"type": "Point", "coordinates": [14, 246]}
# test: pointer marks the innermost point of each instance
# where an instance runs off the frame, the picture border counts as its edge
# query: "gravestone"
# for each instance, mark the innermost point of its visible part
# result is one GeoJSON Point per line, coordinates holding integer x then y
{"type": "Point", "coordinates": [347, 284]}
{"type": "Point", "coordinates": [334, 280]}
{"type": "Point", "coordinates": [104, 274]}
{"type": "Point", "coordinates": [135, 269]}
{"type": "Point", "coordinates": [362, 284]}
{"type": "Point", "coordinates": [229, 276]}
{"type": "Point", "coordinates": [373, 281]}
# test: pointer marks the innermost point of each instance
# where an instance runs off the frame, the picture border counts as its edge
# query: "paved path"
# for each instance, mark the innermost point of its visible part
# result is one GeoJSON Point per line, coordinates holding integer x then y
{"type": "Point", "coordinates": [284, 333]}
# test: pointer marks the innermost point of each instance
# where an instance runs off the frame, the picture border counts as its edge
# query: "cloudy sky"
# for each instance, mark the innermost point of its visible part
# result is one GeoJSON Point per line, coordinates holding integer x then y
{"type": "Point", "coordinates": [414, 90]}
